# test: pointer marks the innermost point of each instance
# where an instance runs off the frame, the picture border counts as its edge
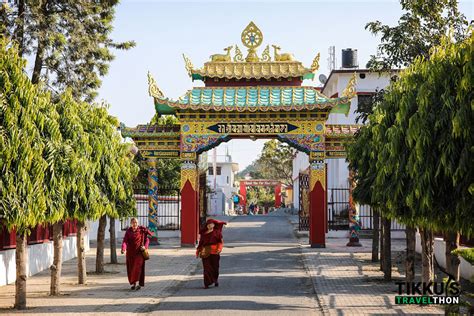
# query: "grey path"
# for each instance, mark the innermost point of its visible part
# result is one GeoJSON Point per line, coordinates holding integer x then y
{"type": "Point", "coordinates": [262, 272]}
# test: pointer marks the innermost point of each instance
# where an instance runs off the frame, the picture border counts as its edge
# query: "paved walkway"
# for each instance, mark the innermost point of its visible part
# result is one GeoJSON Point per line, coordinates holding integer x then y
{"type": "Point", "coordinates": [168, 266]}
{"type": "Point", "coordinates": [262, 273]}
{"type": "Point", "coordinates": [348, 283]}
{"type": "Point", "coordinates": [265, 270]}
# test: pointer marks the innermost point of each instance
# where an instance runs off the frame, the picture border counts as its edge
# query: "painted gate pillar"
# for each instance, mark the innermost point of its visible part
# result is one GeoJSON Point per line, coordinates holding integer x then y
{"type": "Point", "coordinates": [317, 203]}
{"type": "Point", "coordinates": [189, 203]}
{"type": "Point", "coordinates": [278, 195]}
{"type": "Point", "coordinates": [153, 199]}
{"type": "Point", "coordinates": [243, 193]}
{"type": "Point", "coordinates": [354, 221]}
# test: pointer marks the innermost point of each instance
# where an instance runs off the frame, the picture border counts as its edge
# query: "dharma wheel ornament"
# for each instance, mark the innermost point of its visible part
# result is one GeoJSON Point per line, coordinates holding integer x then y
{"type": "Point", "coordinates": [252, 37]}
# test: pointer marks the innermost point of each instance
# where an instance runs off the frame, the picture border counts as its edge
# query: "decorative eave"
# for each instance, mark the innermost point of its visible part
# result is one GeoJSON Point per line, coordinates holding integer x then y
{"type": "Point", "coordinates": [341, 131]}
{"type": "Point", "coordinates": [254, 70]}
{"type": "Point", "coordinates": [147, 130]}
{"type": "Point", "coordinates": [253, 98]}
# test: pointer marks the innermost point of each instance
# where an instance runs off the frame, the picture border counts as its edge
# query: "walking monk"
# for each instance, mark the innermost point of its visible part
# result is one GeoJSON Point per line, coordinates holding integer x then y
{"type": "Point", "coordinates": [209, 249]}
{"type": "Point", "coordinates": [134, 243]}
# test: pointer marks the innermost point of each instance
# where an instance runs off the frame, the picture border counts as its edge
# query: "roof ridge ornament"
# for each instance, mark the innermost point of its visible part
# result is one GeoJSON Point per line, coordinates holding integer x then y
{"type": "Point", "coordinates": [153, 90]}
{"type": "Point", "coordinates": [266, 54]}
{"type": "Point", "coordinates": [252, 38]}
{"type": "Point", "coordinates": [315, 64]}
{"type": "Point", "coordinates": [188, 64]}
{"type": "Point", "coordinates": [238, 55]}
{"type": "Point", "coordinates": [350, 90]}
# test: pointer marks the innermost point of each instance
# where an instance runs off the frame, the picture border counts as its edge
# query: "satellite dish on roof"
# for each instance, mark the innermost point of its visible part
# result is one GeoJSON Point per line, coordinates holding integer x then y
{"type": "Point", "coordinates": [323, 78]}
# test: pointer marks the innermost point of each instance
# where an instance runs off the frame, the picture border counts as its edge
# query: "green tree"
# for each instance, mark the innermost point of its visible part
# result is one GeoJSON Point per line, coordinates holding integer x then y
{"type": "Point", "coordinates": [440, 139]}
{"type": "Point", "coordinates": [420, 28]}
{"type": "Point", "coordinates": [421, 135]}
{"type": "Point", "coordinates": [276, 162]}
{"type": "Point", "coordinates": [114, 171]}
{"type": "Point", "coordinates": [261, 196]}
{"type": "Point", "coordinates": [99, 176]}
{"type": "Point", "coordinates": [68, 40]}
{"type": "Point", "coordinates": [32, 155]}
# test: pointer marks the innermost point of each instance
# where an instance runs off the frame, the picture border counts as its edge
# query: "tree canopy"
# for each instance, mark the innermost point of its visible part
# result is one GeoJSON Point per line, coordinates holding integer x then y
{"type": "Point", "coordinates": [275, 162]}
{"type": "Point", "coordinates": [420, 138]}
{"type": "Point", "coordinates": [59, 159]}
{"type": "Point", "coordinates": [31, 148]}
{"type": "Point", "coordinates": [420, 28]}
{"type": "Point", "coordinates": [69, 41]}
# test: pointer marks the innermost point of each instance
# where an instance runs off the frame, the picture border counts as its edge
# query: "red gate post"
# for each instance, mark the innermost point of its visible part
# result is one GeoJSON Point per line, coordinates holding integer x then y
{"type": "Point", "coordinates": [189, 203]}
{"type": "Point", "coordinates": [278, 195]}
{"type": "Point", "coordinates": [243, 193]}
{"type": "Point", "coordinates": [317, 203]}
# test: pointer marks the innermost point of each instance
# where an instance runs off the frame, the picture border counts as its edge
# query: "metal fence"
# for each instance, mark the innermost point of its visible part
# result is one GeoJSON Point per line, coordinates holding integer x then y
{"type": "Point", "coordinates": [338, 212]}
{"type": "Point", "coordinates": [169, 208]}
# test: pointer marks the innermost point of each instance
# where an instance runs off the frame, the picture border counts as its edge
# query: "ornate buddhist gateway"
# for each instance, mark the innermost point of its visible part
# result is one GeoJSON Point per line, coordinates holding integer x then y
{"type": "Point", "coordinates": [246, 97]}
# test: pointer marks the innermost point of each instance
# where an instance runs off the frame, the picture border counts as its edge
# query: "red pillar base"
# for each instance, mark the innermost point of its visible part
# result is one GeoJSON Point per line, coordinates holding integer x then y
{"type": "Point", "coordinates": [189, 222]}
{"type": "Point", "coordinates": [317, 205]}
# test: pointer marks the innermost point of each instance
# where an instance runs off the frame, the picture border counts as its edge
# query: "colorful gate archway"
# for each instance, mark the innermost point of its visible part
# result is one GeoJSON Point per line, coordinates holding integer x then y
{"type": "Point", "coordinates": [259, 182]}
{"type": "Point", "coordinates": [247, 97]}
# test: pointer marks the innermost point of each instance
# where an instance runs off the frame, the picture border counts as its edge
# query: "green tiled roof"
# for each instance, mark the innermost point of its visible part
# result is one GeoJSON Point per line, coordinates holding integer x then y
{"type": "Point", "coordinates": [262, 98]}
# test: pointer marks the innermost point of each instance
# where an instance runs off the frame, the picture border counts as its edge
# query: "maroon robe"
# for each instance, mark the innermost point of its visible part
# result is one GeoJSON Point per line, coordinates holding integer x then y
{"type": "Point", "coordinates": [214, 239]}
{"type": "Point", "coordinates": [132, 241]}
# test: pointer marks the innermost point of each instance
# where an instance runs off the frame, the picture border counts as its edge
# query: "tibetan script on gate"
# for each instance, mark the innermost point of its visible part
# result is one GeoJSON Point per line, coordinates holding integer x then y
{"type": "Point", "coordinates": [252, 128]}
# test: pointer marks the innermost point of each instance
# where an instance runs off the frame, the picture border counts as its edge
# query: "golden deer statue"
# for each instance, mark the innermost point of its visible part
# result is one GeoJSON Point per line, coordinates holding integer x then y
{"type": "Point", "coordinates": [282, 57]}
{"type": "Point", "coordinates": [222, 57]}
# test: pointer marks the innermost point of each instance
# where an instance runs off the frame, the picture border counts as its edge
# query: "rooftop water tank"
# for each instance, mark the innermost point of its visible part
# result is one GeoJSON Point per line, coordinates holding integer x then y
{"type": "Point", "coordinates": [349, 58]}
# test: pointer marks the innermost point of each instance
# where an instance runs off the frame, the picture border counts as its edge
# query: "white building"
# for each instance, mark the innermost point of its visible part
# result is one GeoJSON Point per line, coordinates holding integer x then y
{"type": "Point", "coordinates": [221, 184]}
{"type": "Point", "coordinates": [368, 83]}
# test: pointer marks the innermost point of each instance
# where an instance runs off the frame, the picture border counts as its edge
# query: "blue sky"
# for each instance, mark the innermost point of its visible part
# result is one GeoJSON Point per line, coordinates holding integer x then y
{"type": "Point", "coordinates": [163, 30]}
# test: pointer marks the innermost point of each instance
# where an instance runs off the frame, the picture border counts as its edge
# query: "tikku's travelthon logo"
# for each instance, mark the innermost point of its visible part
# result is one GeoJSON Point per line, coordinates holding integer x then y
{"type": "Point", "coordinates": [432, 293]}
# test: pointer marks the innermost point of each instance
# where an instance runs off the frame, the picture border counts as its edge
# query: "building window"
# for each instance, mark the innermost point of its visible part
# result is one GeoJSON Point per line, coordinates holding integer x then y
{"type": "Point", "coordinates": [364, 105]}
{"type": "Point", "coordinates": [210, 171]}
{"type": "Point", "coordinates": [227, 179]}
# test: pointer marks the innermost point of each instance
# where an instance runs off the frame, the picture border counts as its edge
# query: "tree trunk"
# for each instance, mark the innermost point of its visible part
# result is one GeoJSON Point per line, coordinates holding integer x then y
{"type": "Point", "coordinates": [113, 241]}
{"type": "Point", "coordinates": [382, 253]}
{"type": "Point", "coordinates": [410, 233]}
{"type": "Point", "coordinates": [387, 250]}
{"type": "Point", "coordinates": [56, 267]}
{"type": "Point", "coordinates": [427, 262]}
{"type": "Point", "coordinates": [452, 260]}
{"type": "Point", "coordinates": [99, 258]}
{"type": "Point", "coordinates": [35, 77]}
{"type": "Point", "coordinates": [375, 236]}
{"type": "Point", "coordinates": [21, 253]}
{"type": "Point", "coordinates": [19, 34]}
{"type": "Point", "coordinates": [39, 59]}
{"type": "Point", "coordinates": [81, 254]}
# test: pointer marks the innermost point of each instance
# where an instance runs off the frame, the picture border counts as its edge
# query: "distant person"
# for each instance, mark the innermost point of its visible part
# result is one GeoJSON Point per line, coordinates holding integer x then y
{"type": "Point", "coordinates": [209, 250]}
{"type": "Point", "coordinates": [251, 208]}
{"type": "Point", "coordinates": [257, 209]}
{"type": "Point", "coordinates": [134, 243]}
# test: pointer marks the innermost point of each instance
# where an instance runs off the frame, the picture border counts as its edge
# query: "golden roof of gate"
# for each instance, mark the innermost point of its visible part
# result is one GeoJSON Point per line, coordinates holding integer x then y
{"type": "Point", "coordinates": [253, 66]}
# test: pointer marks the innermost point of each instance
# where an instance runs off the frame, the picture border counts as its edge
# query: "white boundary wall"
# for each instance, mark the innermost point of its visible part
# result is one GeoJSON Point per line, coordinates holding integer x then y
{"type": "Point", "coordinates": [40, 257]}
{"type": "Point", "coordinates": [467, 270]}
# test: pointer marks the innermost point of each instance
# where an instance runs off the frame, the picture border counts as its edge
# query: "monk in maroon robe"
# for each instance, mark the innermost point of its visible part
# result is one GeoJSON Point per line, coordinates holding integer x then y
{"type": "Point", "coordinates": [209, 249]}
{"type": "Point", "coordinates": [134, 242]}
